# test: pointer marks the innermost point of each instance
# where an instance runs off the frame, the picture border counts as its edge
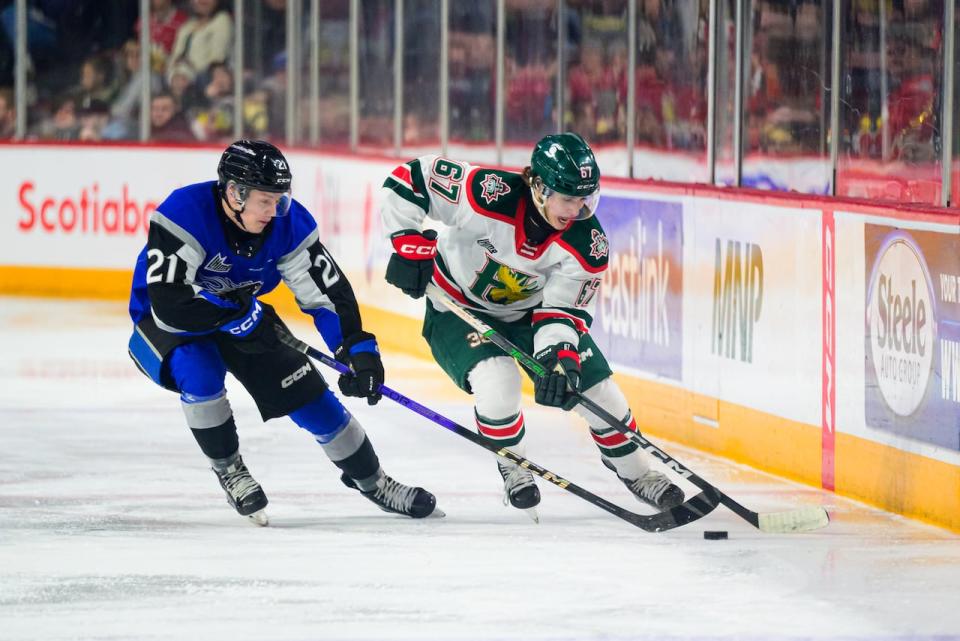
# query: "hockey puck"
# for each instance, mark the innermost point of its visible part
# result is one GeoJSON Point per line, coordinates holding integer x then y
{"type": "Point", "coordinates": [714, 535]}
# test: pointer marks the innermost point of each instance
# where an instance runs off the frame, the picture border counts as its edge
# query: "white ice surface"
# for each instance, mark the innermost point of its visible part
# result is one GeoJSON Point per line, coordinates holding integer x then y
{"type": "Point", "coordinates": [113, 527]}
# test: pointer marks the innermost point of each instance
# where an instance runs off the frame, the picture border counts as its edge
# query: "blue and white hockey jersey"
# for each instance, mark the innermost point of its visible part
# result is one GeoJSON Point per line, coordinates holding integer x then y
{"type": "Point", "coordinates": [194, 255]}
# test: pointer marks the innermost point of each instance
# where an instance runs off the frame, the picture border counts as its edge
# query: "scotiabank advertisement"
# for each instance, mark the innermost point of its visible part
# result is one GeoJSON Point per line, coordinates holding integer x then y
{"type": "Point", "coordinates": [84, 207]}
{"type": "Point", "coordinates": [912, 334]}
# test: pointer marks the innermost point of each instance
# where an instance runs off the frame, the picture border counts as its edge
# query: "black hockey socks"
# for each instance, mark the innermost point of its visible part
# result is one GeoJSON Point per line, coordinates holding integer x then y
{"type": "Point", "coordinates": [353, 453]}
{"type": "Point", "coordinates": [218, 442]}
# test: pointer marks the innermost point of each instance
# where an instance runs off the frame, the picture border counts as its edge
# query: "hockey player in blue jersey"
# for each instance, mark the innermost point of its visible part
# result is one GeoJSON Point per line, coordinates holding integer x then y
{"type": "Point", "coordinates": [212, 249]}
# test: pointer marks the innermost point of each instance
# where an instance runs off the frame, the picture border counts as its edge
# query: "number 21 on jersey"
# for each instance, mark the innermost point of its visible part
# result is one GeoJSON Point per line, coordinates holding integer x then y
{"type": "Point", "coordinates": [155, 273]}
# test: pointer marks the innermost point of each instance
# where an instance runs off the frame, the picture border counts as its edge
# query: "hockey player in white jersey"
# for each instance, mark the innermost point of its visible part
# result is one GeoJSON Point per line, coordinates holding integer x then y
{"type": "Point", "coordinates": [525, 253]}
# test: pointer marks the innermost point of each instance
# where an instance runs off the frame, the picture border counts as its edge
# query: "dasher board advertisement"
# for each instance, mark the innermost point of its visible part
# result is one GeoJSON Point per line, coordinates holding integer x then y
{"type": "Point", "coordinates": [86, 207]}
{"type": "Point", "coordinates": [912, 334]}
{"type": "Point", "coordinates": [752, 308]}
{"type": "Point", "coordinates": [639, 315]}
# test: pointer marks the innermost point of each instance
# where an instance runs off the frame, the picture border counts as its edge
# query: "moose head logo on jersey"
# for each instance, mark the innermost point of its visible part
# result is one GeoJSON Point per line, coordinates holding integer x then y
{"type": "Point", "coordinates": [502, 285]}
{"type": "Point", "coordinates": [599, 246]}
{"type": "Point", "coordinates": [492, 188]}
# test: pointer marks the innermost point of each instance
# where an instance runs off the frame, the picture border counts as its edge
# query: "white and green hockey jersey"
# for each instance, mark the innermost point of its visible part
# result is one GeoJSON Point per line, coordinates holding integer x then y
{"type": "Point", "coordinates": [483, 258]}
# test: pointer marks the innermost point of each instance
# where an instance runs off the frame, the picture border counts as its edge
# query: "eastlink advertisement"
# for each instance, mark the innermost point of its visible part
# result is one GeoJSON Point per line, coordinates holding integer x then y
{"type": "Point", "coordinates": [912, 329]}
{"type": "Point", "coordinates": [639, 320]}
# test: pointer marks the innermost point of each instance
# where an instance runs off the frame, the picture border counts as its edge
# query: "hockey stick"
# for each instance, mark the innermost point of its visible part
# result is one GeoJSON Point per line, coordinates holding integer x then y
{"type": "Point", "coordinates": [799, 520]}
{"type": "Point", "coordinates": [691, 510]}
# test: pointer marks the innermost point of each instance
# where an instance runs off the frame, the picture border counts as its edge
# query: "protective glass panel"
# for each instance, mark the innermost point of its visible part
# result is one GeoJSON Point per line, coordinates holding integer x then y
{"type": "Point", "coordinates": [596, 80]}
{"type": "Point", "coordinates": [421, 76]}
{"type": "Point", "coordinates": [472, 63]}
{"type": "Point", "coordinates": [530, 77]}
{"type": "Point", "coordinates": [375, 53]}
{"type": "Point", "coordinates": [84, 81]}
{"type": "Point", "coordinates": [306, 130]}
{"type": "Point", "coordinates": [892, 70]}
{"type": "Point", "coordinates": [265, 69]}
{"type": "Point", "coordinates": [786, 104]}
{"type": "Point", "coordinates": [671, 91]}
{"type": "Point", "coordinates": [724, 156]}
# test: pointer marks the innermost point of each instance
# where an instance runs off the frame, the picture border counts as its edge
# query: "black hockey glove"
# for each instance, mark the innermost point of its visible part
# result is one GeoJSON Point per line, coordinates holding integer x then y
{"type": "Point", "coordinates": [557, 388]}
{"type": "Point", "coordinates": [361, 354]}
{"type": "Point", "coordinates": [253, 326]}
{"type": "Point", "coordinates": [411, 266]}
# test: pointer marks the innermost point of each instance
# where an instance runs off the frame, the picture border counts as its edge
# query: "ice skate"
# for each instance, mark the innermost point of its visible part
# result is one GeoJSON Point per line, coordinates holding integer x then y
{"type": "Point", "coordinates": [243, 492]}
{"type": "Point", "coordinates": [652, 488]}
{"type": "Point", "coordinates": [519, 488]}
{"type": "Point", "coordinates": [395, 497]}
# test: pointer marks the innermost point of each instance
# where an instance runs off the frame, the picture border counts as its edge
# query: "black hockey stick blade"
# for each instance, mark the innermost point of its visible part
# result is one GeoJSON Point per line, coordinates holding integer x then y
{"type": "Point", "coordinates": [800, 520]}
{"type": "Point", "coordinates": [690, 510]}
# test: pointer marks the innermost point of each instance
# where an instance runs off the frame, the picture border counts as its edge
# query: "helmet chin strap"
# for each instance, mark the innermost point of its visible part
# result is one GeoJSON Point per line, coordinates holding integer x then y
{"type": "Point", "coordinates": [236, 212]}
{"type": "Point", "coordinates": [536, 194]}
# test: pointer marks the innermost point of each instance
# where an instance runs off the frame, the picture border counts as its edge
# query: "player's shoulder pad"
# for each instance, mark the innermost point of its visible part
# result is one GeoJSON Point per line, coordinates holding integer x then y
{"type": "Point", "coordinates": [495, 191]}
{"type": "Point", "coordinates": [184, 204]}
{"type": "Point", "coordinates": [588, 243]}
{"type": "Point", "coordinates": [407, 182]}
{"type": "Point", "coordinates": [297, 225]}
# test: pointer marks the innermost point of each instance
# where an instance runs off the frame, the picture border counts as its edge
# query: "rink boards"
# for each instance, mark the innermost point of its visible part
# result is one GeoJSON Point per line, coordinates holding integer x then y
{"type": "Point", "coordinates": [814, 338]}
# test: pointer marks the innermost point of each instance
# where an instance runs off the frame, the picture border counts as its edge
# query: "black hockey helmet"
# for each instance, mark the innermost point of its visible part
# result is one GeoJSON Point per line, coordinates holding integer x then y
{"type": "Point", "coordinates": [255, 164]}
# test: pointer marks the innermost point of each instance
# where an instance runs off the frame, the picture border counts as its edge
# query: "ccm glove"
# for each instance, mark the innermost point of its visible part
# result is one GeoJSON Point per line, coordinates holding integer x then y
{"type": "Point", "coordinates": [361, 354]}
{"type": "Point", "coordinates": [254, 324]}
{"type": "Point", "coordinates": [411, 265]}
{"type": "Point", "coordinates": [558, 388]}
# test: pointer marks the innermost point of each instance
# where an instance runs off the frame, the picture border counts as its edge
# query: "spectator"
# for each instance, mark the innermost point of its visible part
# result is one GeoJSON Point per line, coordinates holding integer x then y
{"type": "Point", "coordinates": [471, 86]}
{"type": "Point", "coordinates": [203, 39]}
{"type": "Point", "coordinates": [95, 82]}
{"type": "Point", "coordinates": [529, 99]}
{"type": "Point", "coordinates": [215, 120]}
{"type": "Point", "coordinates": [63, 125]}
{"type": "Point", "coordinates": [182, 84]}
{"type": "Point", "coordinates": [165, 21]}
{"type": "Point", "coordinates": [593, 85]}
{"type": "Point", "coordinates": [256, 114]}
{"type": "Point", "coordinates": [167, 121]}
{"type": "Point", "coordinates": [125, 109]}
{"type": "Point", "coordinates": [275, 88]}
{"type": "Point", "coordinates": [268, 35]}
{"type": "Point", "coordinates": [91, 120]}
{"type": "Point", "coordinates": [8, 114]}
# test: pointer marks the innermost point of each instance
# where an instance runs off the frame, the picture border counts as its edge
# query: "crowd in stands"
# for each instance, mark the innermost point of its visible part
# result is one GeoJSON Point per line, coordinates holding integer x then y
{"type": "Point", "coordinates": [86, 80]}
{"type": "Point", "coordinates": [85, 77]}
{"type": "Point", "coordinates": [670, 71]}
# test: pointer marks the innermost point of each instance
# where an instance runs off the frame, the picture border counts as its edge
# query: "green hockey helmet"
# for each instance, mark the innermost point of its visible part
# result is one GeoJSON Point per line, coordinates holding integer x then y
{"type": "Point", "coordinates": [565, 164]}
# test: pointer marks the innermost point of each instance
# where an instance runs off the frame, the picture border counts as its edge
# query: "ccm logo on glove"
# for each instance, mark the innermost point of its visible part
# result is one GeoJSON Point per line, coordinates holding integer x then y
{"type": "Point", "coordinates": [411, 251]}
{"type": "Point", "coordinates": [413, 245]}
{"type": "Point", "coordinates": [248, 323]}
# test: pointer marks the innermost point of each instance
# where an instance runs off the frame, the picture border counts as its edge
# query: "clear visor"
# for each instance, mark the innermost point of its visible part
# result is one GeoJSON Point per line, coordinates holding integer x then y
{"type": "Point", "coordinates": [283, 204]}
{"type": "Point", "coordinates": [587, 209]}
